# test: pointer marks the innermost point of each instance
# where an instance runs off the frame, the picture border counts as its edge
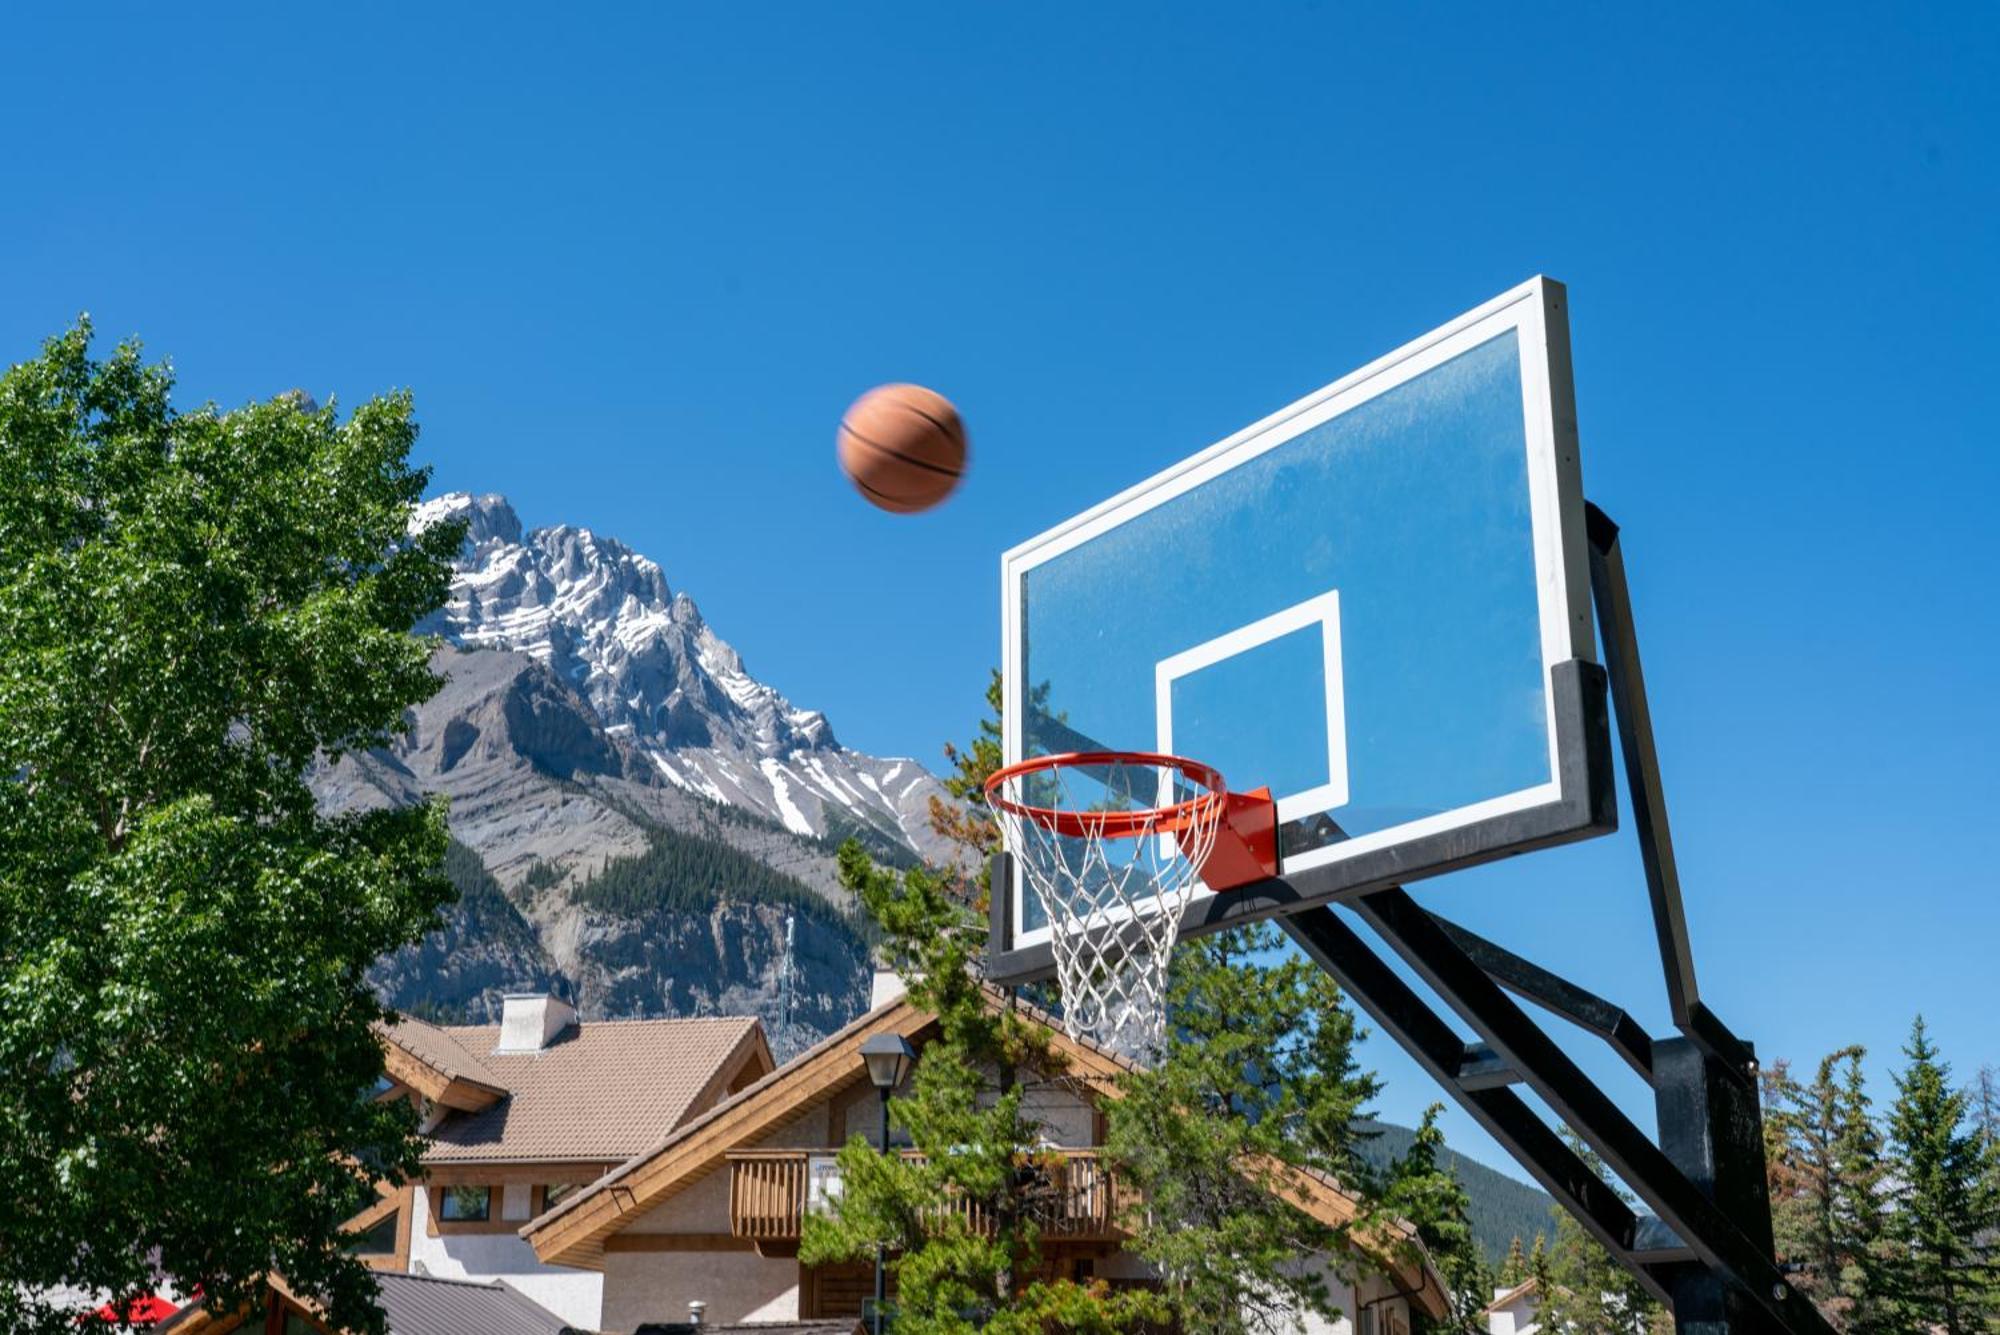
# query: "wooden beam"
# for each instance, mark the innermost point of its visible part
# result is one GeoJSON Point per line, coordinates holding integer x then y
{"type": "Point", "coordinates": [699, 1148]}
{"type": "Point", "coordinates": [677, 1242]}
{"type": "Point", "coordinates": [404, 1067]}
{"type": "Point", "coordinates": [541, 1173]}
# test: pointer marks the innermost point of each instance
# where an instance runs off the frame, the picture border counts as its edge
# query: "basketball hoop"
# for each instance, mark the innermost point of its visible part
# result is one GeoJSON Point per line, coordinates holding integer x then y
{"type": "Point", "coordinates": [1113, 843]}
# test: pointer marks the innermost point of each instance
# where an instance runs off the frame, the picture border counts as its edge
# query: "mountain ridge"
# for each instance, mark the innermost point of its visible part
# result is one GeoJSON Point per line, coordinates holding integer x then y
{"type": "Point", "coordinates": [603, 618]}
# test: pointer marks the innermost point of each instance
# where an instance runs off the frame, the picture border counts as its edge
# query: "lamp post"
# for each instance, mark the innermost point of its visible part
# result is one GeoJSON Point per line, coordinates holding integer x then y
{"type": "Point", "coordinates": [888, 1058]}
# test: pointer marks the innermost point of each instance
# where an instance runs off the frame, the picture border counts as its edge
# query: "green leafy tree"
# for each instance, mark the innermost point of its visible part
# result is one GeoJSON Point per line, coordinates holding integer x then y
{"type": "Point", "coordinates": [1943, 1274]}
{"type": "Point", "coordinates": [1257, 1081]}
{"type": "Point", "coordinates": [1584, 1291]}
{"type": "Point", "coordinates": [1514, 1269]}
{"type": "Point", "coordinates": [193, 607]}
{"type": "Point", "coordinates": [1421, 1191]}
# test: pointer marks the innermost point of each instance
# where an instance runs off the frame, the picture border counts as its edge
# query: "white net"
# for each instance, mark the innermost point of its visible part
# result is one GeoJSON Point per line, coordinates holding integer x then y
{"type": "Point", "coordinates": [1112, 849]}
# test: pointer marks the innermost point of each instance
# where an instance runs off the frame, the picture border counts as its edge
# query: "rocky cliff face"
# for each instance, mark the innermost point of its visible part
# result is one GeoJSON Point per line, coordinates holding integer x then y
{"type": "Point", "coordinates": [582, 871]}
{"type": "Point", "coordinates": [603, 620]}
{"type": "Point", "coordinates": [639, 824]}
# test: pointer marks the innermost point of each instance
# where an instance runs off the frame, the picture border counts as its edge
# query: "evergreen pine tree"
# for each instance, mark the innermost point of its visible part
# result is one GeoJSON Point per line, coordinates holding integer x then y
{"type": "Point", "coordinates": [1514, 1270]}
{"type": "Point", "coordinates": [1824, 1157]}
{"type": "Point", "coordinates": [1538, 1266]}
{"type": "Point", "coordinates": [1857, 1203]}
{"type": "Point", "coordinates": [1421, 1191]}
{"type": "Point", "coordinates": [1983, 1099]}
{"type": "Point", "coordinates": [1786, 1174]}
{"type": "Point", "coordinates": [1257, 1081]}
{"type": "Point", "coordinates": [978, 1150]}
{"type": "Point", "coordinates": [1942, 1275]}
{"type": "Point", "coordinates": [977, 1146]}
{"type": "Point", "coordinates": [1584, 1291]}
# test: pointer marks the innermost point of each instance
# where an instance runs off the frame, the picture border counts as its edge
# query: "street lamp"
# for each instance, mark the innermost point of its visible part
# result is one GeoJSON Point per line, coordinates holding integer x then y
{"type": "Point", "coordinates": [888, 1058]}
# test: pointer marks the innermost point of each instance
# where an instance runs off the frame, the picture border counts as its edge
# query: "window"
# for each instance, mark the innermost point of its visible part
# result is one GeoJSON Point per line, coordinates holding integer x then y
{"type": "Point", "coordinates": [466, 1204]}
{"type": "Point", "coordinates": [557, 1192]}
{"type": "Point", "coordinates": [379, 1240]}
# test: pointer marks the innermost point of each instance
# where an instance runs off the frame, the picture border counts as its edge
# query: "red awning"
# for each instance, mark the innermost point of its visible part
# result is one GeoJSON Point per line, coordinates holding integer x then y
{"type": "Point", "coordinates": [145, 1311]}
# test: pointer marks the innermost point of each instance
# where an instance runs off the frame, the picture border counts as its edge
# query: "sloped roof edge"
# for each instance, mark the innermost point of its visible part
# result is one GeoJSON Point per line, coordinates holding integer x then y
{"type": "Point", "coordinates": [573, 1232]}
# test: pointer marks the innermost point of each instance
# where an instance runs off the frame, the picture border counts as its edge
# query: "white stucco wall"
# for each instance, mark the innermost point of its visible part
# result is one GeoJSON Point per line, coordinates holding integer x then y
{"type": "Point", "coordinates": [657, 1286]}
{"type": "Point", "coordinates": [701, 1208]}
{"type": "Point", "coordinates": [1516, 1318]}
{"type": "Point", "coordinates": [1347, 1297]}
{"type": "Point", "coordinates": [574, 1295]}
{"type": "Point", "coordinates": [808, 1133]}
{"type": "Point", "coordinates": [1066, 1117]}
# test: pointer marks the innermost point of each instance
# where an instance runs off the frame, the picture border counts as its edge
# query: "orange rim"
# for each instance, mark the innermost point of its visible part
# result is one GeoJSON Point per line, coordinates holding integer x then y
{"type": "Point", "coordinates": [1113, 824]}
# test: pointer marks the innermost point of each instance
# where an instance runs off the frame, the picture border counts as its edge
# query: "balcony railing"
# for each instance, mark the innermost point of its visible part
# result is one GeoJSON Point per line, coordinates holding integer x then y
{"type": "Point", "coordinates": [771, 1190]}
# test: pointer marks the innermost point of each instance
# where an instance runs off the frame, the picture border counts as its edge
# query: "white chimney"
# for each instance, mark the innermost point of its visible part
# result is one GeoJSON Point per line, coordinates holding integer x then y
{"type": "Point", "coordinates": [697, 1309]}
{"type": "Point", "coordinates": [529, 1021]}
{"type": "Point", "coordinates": [888, 986]}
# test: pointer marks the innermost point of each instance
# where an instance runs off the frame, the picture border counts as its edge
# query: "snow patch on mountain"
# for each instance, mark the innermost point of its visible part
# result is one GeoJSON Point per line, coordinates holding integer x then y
{"type": "Point", "coordinates": [603, 618]}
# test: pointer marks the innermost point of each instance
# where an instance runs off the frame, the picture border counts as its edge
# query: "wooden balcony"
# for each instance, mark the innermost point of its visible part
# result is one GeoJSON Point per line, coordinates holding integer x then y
{"type": "Point", "coordinates": [1076, 1199]}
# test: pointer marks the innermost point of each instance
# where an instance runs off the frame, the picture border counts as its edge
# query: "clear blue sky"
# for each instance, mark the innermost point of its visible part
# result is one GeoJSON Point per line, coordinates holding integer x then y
{"type": "Point", "coordinates": [634, 265]}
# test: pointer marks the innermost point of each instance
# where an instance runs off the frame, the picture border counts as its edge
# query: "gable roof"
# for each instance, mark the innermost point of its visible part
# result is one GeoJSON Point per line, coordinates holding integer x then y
{"type": "Point", "coordinates": [575, 1231]}
{"type": "Point", "coordinates": [426, 1305]}
{"type": "Point", "coordinates": [412, 1304]}
{"type": "Point", "coordinates": [431, 1061]}
{"type": "Point", "coordinates": [603, 1090]}
{"type": "Point", "coordinates": [1511, 1296]}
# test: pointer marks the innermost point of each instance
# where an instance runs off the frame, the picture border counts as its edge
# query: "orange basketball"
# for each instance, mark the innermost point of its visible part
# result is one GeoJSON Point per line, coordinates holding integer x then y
{"type": "Point", "coordinates": [903, 447]}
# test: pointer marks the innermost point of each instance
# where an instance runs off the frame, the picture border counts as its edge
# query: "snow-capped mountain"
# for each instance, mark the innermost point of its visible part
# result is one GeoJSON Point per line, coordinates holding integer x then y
{"type": "Point", "coordinates": [604, 620]}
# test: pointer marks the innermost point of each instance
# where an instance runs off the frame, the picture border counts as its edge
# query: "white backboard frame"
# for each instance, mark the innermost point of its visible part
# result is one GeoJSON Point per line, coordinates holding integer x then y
{"type": "Point", "coordinates": [1536, 312]}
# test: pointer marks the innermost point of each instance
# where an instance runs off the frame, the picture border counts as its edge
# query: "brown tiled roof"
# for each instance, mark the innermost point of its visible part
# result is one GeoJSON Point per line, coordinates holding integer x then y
{"type": "Point", "coordinates": [438, 1049]}
{"type": "Point", "coordinates": [602, 1090]}
{"type": "Point", "coordinates": [833, 1042]}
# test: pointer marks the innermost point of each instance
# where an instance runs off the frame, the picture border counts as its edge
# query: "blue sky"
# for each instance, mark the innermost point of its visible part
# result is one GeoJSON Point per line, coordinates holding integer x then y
{"type": "Point", "coordinates": [635, 262]}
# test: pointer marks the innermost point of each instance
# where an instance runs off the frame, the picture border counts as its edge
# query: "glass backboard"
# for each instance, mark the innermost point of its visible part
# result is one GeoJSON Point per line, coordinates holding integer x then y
{"type": "Point", "coordinates": [1358, 602]}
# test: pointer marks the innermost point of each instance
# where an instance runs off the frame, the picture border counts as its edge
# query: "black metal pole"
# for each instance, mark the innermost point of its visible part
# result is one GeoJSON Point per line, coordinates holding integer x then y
{"type": "Point", "coordinates": [881, 1276]}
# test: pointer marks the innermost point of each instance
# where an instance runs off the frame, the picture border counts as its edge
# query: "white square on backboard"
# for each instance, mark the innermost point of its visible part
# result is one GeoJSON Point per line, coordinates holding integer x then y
{"type": "Point", "coordinates": [1324, 610]}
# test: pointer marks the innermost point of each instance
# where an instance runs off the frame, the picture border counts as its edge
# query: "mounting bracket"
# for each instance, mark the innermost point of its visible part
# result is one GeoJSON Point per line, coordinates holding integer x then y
{"type": "Point", "coordinates": [1706, 1248]}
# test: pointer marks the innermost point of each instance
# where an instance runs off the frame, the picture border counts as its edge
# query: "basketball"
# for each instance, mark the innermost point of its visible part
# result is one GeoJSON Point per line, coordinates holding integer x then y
{"type": "Point", "coordinates": [903, 447]}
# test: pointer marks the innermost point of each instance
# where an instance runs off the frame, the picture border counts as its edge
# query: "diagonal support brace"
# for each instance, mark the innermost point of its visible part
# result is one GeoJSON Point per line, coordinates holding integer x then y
{"type": "Point", "coordinates": [1715, 1239]}
{"type": "Point", "coordinates": [1559, 996]}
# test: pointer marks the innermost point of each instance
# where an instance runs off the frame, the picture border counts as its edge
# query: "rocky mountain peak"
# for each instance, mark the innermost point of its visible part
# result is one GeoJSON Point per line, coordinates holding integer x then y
{"type": "Point", "coordinates": [489, 518]}
{"type": "Point", "coordinates": [603, 618]}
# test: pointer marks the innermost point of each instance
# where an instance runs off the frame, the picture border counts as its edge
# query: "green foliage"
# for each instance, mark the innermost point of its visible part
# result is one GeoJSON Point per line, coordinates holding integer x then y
{"type": "Point", "coordinates": [1942, 1274]}
{"type": "Point", "coordinates": [1514, 1269]}
{"type": "Point", "coordinates": [482, 905]}
{"type": "Point", "coordinates": [1422, 1191]}
{"type": "Point", "coordinates": [1503, 1209]}
{"type": "Point", "coordinates": [977, 1147]}
{"type": "Point", "coordinates": [1824, 1159]}
{"type": "Point", "coordinates": [1258, 1078]}
{"type": "Point", "coordinates": [687, 873]}
{"type": "Point", "coordinates": [1584, 1291]}
{"type": "Point", "coordinates": [192, 608]}
{"type": "Point", "coordinates": [540, 876]}
{"type": "Point", "coordinates": [970, 824]}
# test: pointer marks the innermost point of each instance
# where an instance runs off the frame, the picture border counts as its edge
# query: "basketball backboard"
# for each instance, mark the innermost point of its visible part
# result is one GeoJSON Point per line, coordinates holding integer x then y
{"type": "Point", "coordinates": [1376, 602]}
